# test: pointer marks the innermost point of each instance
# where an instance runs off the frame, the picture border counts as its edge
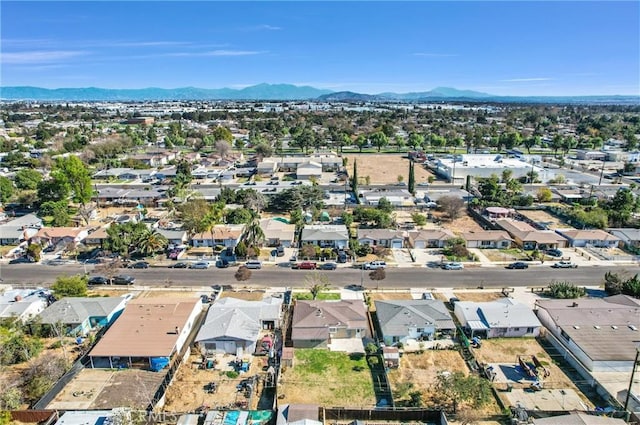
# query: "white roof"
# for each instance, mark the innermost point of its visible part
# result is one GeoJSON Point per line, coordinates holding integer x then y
{"type": "Point", "coordinates": [504, 313]}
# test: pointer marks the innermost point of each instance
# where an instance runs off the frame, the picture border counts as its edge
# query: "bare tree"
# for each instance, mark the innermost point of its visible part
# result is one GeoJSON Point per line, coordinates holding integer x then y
{"type": "Point", "coordinates": [109, 269]}
{"type": "Point", "coordinates": [316, 283]}
{"type": "Point", "coordinates": [451, 205]}
{"type": "Point", "coordinates": [223, 148]}
{"type": "Point", "coordinates": [243, 274]}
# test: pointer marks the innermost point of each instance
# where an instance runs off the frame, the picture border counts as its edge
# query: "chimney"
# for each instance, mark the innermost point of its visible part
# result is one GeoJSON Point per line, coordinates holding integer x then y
{"type": "Point", "coordinates": [177, 330]}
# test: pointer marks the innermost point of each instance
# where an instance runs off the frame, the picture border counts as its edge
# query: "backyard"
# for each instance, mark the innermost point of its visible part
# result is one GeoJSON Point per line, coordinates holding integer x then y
{"type": "Point", "coordinates": [327, 378]}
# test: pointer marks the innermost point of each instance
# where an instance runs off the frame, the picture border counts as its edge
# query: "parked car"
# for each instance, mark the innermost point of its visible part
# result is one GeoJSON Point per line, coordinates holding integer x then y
{"type": "Point", "coordinates": [453, 266]}
{"type": "Point", "coordinates": [564, 265]}
{"type": "Point", "coordinates": [222, 264]}
{"type": "Point", "coordinates": [518, 265]}
{"type": "Point", "coordinates": [328, 266]}
{"type": "Point", "coordinates": [306, 265]}
{"type": "Point", "coordinates": [22, 260]}
{"type": "Point", "coordinates": [280, 251]}
{"type": "Point", "coordinates": [253, 264]}
{"type": "Point", "coordinates": [354, 287]}
{"type": "Point", "coordinates": [200, 265]}
{"type": "Point", "coordinates": [553, 252]}
{"type": "Point", "coordinates": [342, 257]}
{"type": "Point", "coordinates": [139, 265]}
{"type": "Point", "coordinates": [98, 280]}
{"type": "Point", "coordinates": [180, 265]}
{"type": "Point", "coordinates": [123, 279]}
{"type": "Point", "coordinates": [374, 265]}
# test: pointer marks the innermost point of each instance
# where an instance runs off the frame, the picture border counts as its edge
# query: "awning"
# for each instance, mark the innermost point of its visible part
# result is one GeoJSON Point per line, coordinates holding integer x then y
{"type": "Point", "coordinates": [477, 325]}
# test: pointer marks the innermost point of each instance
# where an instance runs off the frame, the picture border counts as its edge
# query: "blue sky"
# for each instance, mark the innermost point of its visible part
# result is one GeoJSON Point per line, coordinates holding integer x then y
{"type": "Point", "coordinates": [503, 48]}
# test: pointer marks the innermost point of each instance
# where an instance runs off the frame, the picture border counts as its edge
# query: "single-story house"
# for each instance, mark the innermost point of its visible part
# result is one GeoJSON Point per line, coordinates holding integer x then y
{"type": "Point", "coordinates": [277, 233]}
{"type": "Point", "coordinates": [429, 238]}
{"type": "Point", "coordinates": [227, 235]}
{"type": "Point", "coordinates": [59, 236]}
{"type": "Point", "coordinates": [267, 168]}
{"type": "Point", "coordinates": [630, 237]}
{"type": "Point", "coordinates": [309, 170]}
{"type": "Point", "coordinates": [579, 418]}
{"type": "Point", "coordinates": [174, 237]}
{"type": "Point", "coordinates": [397, 198]}
{"type": "Point", "coordinates": [22, 304]}
{"type": "Point", "coordinates": [80, 315]}
{"type": "Point", "coordinates": [149, 332]}
{"type": "Point", "coordinates": [496, 239]}
{"type": "Point", "coordinates": [401, 320]}
{"type": "Point", "coordinates": [166, 173]}
{"type": "Point", "coordinates": [232, 325]}
{"type": "Point", "coordinates": [318, 324]}
{"type": "Point", "coordinates": [14, 231]}
{"type": "Point", "coordinates": [381, 237]}
{"type": "Point", "coordinates": [298, 414]}
{"type": "Point", "coordinates": [326, 235]}
{"type": "Point", "coordinates": [96, 237]}
{"type": "Point", "coordinates": [602, 333]}
{"type": "Point", "coordinates": [496, 319]}
{"type": "Point", "coordinates": [528, 237]}
{"type": "Point", "coordinates": [589, 237]}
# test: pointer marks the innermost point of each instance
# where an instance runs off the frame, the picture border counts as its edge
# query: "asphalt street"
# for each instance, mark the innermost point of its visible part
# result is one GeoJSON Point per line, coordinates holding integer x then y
{"type": "Point", "coordinates": [274, 276]}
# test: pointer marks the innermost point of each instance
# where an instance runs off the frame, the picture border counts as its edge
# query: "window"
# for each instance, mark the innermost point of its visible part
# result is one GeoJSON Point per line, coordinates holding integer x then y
{"type": "Point", "coordinates": [485, 243]}
{"type": "Point", "coordinates": [333, 330]}
{"type": "Point", "coordinates": [516, 329]}
{"type": "Point", "coordinates": [420, 330]}
{"type": "Point", "coordinates": [529, 330]}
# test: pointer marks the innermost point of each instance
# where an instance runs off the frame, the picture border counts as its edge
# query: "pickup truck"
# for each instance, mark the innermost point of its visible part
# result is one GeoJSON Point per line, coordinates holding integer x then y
{"type": "Point", "coordinates": [305, 265]}
{"type": "Point", "coordinates": [564, 265]}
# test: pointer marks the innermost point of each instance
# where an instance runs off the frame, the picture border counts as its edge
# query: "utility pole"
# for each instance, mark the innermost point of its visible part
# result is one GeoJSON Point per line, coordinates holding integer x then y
{"type": "Point", "coordinates": [633, 373]}
{"type": "Point", "coordinates": [601, 173]}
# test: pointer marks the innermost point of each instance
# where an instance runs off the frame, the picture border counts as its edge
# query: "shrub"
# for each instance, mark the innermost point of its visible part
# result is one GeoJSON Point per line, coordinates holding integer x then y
{"type": "Point", "coordinates": [565, 290]}
{"type": "Point", "coordinates": [232, 374]}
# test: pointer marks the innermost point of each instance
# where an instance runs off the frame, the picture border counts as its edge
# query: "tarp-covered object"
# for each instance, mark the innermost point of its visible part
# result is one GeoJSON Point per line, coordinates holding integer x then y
{"type": "Point", "coordinates": [159, 363]}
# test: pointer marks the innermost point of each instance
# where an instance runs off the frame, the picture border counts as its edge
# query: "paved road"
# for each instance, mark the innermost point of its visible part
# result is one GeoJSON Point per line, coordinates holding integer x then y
{"type": "Point", "coordinates": [280, 277]}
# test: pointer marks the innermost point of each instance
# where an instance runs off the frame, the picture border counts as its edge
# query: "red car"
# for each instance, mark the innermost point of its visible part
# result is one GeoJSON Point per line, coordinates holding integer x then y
{"type": "Point", "coordinates": [307, 265]}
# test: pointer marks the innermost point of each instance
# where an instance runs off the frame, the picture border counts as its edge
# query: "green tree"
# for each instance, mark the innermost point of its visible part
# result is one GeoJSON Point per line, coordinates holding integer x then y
{"type": "Point", "coordinates": [415, 140]}
{"type": "Point", "coordinates": [77, 176]}
{"type": "Point", "coordinates": [455, 389]}
{"type": "Point", "coordinates": [70, 286]}
{"type": "Point", "coordinates": [361, 142]}
{"type": "Point", "coordinates": [411, 185]}
{"type": "Point", "coordinates": [6, 189]}
{"type": "Point", "coordinates": [253, 233]}
{"type": "Point", "coordinates": [151, 241]}
{"type": "Point", "coordinates": [354, 178]}
{"type": "Point", "coordinates": [27, 179]}
{"type": "Point", "coordinates": [565, 290]}
{"type": "Point", "coordinates": [544, 194]}
{"type": "Point", "coordinates": [418, 218]}
{"type": "Point", "coordinates": [621, 207]}
{"type": "Point", "coordinates": [58, 211]}
{"type": "Point", "coordinates": [384, 205]}
{"type": "Point", "coordinates": [379, 140]}
{"type": "Point", "coordinates": [239, 216]}
{"type": "Point", "coordinates": [222, 133]}
{"type": "Point", "coordinates": [56, 188]}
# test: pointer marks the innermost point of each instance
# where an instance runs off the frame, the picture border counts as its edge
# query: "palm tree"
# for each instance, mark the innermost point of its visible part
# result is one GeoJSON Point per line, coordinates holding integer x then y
{"type": "Point", "coordinates": [253, 233]}
{"type": "Point", "coordinates": [151, 241]}
{"type": "Point", "coordinates": [212, 218]}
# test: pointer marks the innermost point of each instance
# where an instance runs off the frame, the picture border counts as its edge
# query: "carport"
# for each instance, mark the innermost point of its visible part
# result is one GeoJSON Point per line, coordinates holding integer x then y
{"type": "Point", "coordinates": [477, 328]}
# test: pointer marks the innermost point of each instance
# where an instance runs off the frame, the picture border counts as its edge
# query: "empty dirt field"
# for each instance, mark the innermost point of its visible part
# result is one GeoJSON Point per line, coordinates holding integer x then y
{"type": "Point", "coordinates": [385, 168]}
{"type": "Point", "coordinates": [544, 218]}
{"type": "Point", "coordinates": [479, 297]}
{"type": "Point", "coordinates": [189, 388]}
{"type": "Point", "coordinates": [327, 378]}
{"type": "Point", "coordinates": [507, 350]}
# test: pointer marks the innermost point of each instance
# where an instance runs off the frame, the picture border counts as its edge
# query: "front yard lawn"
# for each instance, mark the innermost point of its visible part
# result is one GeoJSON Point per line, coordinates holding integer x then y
{"type": "Point", "coordinates": [322, 296]}
{"type": "Point", "coordinates": [327, 378]}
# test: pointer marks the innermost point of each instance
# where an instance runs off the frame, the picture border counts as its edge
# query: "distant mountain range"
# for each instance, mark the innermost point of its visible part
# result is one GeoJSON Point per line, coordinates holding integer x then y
{"type": "Point", "coordinates": [272, 92]}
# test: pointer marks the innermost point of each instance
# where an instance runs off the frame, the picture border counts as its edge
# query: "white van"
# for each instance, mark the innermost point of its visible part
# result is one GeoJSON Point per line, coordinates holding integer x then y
{"type": "Point", "coordinates": [253, 264]}
{"type": "Point", "coordinates": [374, 265]}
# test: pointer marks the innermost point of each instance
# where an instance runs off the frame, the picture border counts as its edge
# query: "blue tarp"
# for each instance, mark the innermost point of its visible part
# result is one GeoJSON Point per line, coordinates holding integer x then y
{"type": "Point", "coordinates": [159, 363]}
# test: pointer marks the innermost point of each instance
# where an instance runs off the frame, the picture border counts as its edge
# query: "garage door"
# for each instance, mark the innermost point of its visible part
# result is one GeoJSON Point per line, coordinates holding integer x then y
{"type": "Point", "coordinates": [397, 244]}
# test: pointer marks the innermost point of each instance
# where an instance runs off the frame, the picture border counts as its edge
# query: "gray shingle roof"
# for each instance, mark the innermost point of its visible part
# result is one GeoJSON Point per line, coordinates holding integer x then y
{"type": "Point", "coordinates": [77, 309]}
{"type": "Point", "coordinates": [395, 317]}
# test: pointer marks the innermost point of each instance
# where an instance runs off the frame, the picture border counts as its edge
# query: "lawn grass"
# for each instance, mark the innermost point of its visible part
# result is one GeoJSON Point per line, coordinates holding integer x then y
{"type": "Point", "coordinates": [328, 378]}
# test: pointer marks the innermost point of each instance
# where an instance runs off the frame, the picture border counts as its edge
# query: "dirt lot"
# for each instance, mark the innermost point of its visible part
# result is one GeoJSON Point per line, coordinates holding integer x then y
{"type": "Point", "coordinates": [383, 296]}
{"type": "Point", "coordinates": [385, 168]}
{"type": "Point", "coordinates": [106, 389]}
{"type": "Point", "coordinates": [544, 218]}
{"type": "Point", "coordinates": [463, 224]}
{"type": "Point", "coordinates": [187, 391]}
{"type": "Point", "coordinates": [327, 378]}
{"type": "Point", "coordinates": [256, 295]}
{"type": "Point", "coordinates": [507, 350]}
{"type": "Point", "coordinates": [421, 369]}
{"type": "Point", "coordinates": [478, 297]}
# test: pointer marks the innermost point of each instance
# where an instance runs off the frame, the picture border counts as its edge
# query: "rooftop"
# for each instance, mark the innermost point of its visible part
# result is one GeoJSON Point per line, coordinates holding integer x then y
{"type": "Point", "coordinates": [146, 328]}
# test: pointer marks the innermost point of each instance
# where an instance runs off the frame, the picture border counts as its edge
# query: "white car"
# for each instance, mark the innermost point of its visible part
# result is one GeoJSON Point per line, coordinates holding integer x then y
{"type": "Point", "coordinates": [564, 265]}
{"type": "Point", "coordinates": [375, 265]}
{"type": "Point", "coordinates": [200, 265]}
{"type": "Point", "coordinates": [453, 266]}
{"type": "Point", "coordinates": [253, 264]}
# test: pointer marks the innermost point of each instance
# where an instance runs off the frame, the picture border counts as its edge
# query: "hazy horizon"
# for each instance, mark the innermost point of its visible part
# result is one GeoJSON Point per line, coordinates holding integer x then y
{"type": "Point", "coordinates": [501, 48]}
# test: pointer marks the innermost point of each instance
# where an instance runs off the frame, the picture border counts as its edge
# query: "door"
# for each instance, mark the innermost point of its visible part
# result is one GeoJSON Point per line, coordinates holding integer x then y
{"type": "Point", "coordinates": [396, 244]}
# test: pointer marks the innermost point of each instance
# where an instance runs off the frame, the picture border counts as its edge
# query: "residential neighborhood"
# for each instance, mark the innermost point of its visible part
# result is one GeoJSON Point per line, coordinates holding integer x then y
{"type": "Point", "coordinates": [193, 265]}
